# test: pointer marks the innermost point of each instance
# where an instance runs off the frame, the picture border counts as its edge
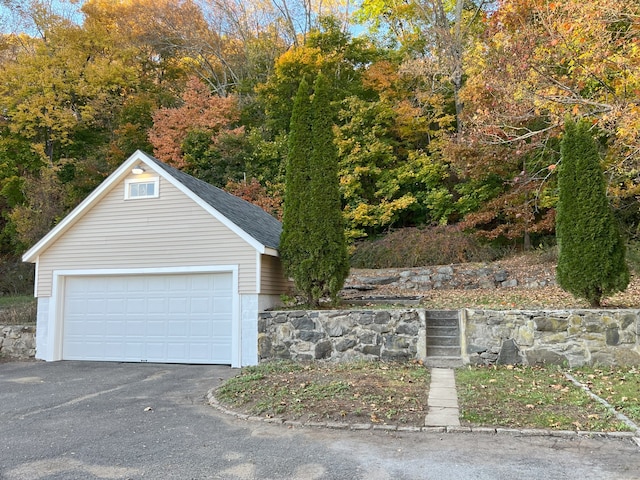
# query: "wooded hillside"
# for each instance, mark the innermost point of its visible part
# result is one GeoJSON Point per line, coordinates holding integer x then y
{"type": "Point", "coordinates": [448, 112]}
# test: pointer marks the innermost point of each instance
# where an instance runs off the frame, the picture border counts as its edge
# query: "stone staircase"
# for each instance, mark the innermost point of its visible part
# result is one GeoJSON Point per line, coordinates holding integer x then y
{"type": "Point", "coordinates": [443, 338]}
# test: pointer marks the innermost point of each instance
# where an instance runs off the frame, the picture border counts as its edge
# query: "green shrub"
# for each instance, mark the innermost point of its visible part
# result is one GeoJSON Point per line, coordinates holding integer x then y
{"type": "Point", "coordinates": [313, 247]}
{"type": "Point", "coordinates": [416, 247]}
{"type": "Point", "coordinates": [591, 259]}
{"type": "Point", "coordinates": [633, 256]}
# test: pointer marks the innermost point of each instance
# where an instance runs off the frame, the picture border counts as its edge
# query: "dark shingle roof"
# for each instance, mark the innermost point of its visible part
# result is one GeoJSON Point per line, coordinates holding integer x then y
{"type": "Point", "coordinates": [249, 217]}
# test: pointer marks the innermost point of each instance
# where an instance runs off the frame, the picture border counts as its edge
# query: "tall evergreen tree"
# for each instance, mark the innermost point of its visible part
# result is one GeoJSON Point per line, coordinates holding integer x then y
{"type": "Point", "coordinates": [328, 243]}
{"type": "Point", "coordinates": [591, 262]}
{"type": "Point", "coordinates": [294, 247]}
{"type": "Point", "coordinates": [313, 246]}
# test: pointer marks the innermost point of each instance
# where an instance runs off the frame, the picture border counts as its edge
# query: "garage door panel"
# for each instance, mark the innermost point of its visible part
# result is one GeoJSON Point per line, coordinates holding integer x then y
{"type": "Point", "coordinates": [221, 328]}
{"type": "Point", "coordinates": [134, 350]}
{"type": "Point", "coordinates": [222, 305]}
{"type": "Point", "coordinates": [156, 305]}
{"type": "Point", "coordinates": [181, 318]}
{"type": "Point", "coordinates": [115, 306]}
{"type": "Point", "coordinates": [135, 328]}
{"type": "Point", "coordinates": [178, 305]}
{"type": "Point", "coordinates": [178, 283]}
{"type": "Point", "coordinates": [200, 305]}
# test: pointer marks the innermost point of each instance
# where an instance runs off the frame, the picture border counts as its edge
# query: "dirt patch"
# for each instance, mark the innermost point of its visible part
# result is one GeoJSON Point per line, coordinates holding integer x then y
{"type": "Point", "coordinates": [377, 393]}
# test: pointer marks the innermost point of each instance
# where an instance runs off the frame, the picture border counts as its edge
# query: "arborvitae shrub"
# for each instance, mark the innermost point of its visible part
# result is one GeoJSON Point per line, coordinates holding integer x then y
{"type": "Point", "coordinates": [591, 258]}
{"type": "Point", "coordinates": [313, 246]}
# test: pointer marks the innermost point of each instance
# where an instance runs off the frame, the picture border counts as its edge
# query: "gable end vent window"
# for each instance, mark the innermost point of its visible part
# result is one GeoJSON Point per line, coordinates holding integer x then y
{"type": "Point", "coordinates": [141, 188]}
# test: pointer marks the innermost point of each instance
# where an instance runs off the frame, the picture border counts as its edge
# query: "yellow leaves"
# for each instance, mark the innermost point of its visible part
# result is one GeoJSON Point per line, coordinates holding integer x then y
{"type": "Point", "coordinates": [298, 56]}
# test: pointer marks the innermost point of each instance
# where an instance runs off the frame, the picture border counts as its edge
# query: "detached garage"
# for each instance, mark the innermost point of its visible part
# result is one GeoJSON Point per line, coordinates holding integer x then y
{"type": "Point", "coordinates": [156, 266]}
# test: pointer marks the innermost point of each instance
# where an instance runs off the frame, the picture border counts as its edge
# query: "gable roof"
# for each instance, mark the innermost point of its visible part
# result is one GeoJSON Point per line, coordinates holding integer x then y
{"type": "Point", "coordinates": [250, 222]}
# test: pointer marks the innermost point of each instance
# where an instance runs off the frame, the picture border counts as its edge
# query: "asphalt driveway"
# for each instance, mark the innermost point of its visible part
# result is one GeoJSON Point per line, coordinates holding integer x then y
{"type": "Point", "coordinates": [86, 420]}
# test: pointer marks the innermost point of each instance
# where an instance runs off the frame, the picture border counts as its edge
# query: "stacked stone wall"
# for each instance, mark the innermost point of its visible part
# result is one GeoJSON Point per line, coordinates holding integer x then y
{"type": "Point", "coordinates": [462, 276]}
{"type": "Point", "coordinates": [570, 337]}
{"type": "Point", "coordinates": [17, 341]}
{"type": "Point", "coordinates": [565, 337]}
{"type": "Point", "coordinates": [342, 335]}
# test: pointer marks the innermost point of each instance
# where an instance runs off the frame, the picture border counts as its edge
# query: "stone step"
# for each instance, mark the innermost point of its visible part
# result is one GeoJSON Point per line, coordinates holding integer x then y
{"type": "Point", "coordinates": [443, 362]}
{"type": "Point", "coordinates": [441, 314]}
{"type": "Point", "coordinates": [435, 351]}
{"type": "Point", "coordinates": [443, 331]}
{"type": "Point", "coordinates": [441, 321]}
{"type": "Point", "coordinates": [447, 341]}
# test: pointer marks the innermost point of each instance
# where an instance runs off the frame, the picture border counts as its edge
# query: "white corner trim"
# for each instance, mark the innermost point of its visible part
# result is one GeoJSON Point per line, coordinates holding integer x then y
{"type": "Point", "coordinates": [258, 272]}
{"type": "Point", "coordinates": [149, 270]}
{"type": "Point", "coordinates": [54, 327]}
{"type": "Point", "coordinates": [236, 328]}
{"type": "Point", "coordinates": [35, 278]}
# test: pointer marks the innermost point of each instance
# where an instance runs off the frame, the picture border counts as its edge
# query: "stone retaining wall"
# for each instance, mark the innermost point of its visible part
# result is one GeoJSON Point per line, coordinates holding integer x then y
{"type": "Point", "coordinates": [571, 337]}
{"type": "Point", "coordinates": [462, 276]}
{"type": "Point", "coordinates": [342, 335]}
{"type": "Point", "coordinates": [17, 341]}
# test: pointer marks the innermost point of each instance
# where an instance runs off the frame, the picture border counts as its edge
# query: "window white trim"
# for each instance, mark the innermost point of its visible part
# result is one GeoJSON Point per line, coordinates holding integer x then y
{"type": "Point", "coordinates": [133, 181]}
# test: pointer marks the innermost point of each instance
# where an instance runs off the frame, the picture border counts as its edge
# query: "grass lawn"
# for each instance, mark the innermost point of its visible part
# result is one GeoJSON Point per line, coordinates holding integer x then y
{"type": "Point", "coordinates": [531, 397]}
{"type": "Point", "coordinates": [617, 385]}
{"type": "Point", "coordinates": [396, 393]}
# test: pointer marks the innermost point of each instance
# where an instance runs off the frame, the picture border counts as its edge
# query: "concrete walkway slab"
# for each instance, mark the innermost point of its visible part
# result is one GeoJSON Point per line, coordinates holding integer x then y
{"type": "Point", "coordinates": [443, 399]}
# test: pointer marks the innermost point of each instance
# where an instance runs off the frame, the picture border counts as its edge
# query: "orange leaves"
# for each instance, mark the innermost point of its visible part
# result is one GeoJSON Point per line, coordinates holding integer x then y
{"type": "Point", "coordinates": [380, 76]}
{"type": "Point", "coordinates": [200, 111]}
{"type": "Point", "coordinates": [255, 193]}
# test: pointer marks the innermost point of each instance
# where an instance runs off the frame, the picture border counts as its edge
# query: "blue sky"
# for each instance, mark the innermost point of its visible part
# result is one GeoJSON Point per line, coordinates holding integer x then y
{"type": "Point", "coordinates": [10, 19]}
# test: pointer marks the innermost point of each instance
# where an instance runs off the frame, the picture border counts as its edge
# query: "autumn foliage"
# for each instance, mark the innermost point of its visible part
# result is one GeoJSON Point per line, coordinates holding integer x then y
{"type": "Point", "coordinates": [448, 113]}
{"type": "Point", "coordinates": [252, 191]}
{"type": "Point", "coordinates": [200, 111]}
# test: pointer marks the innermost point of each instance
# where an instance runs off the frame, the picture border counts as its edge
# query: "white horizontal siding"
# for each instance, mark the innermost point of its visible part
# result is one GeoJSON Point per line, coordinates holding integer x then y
{"type": "Point", "coordinates": [167, 231]}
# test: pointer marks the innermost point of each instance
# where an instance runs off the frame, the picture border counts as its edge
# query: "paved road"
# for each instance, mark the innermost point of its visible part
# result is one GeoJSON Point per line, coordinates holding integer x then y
{"type": "Point", "coordinates": [84, 420]}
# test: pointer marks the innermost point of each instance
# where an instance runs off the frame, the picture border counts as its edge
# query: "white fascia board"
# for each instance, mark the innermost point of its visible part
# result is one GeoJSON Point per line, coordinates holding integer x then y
{"type": "Point", "coordinates": [32, 254]}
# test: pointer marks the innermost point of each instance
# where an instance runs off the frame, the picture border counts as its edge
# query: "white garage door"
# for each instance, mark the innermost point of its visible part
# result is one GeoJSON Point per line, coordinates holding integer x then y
{"type": "Point", "coordinates": [181, 318]}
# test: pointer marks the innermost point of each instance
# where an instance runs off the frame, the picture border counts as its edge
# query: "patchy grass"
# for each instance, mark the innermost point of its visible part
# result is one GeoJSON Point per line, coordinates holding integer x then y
{"type": "Point", "coordinates": [396, 393]}
{"type": "Point", "coordinates": [529, 397]}
{"type": "Point", "coordinates": [358, 392]}
{"type": "Point", "coordinates": [17, 310]}
{"type": "Point", "coordinates": [620, 386]}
